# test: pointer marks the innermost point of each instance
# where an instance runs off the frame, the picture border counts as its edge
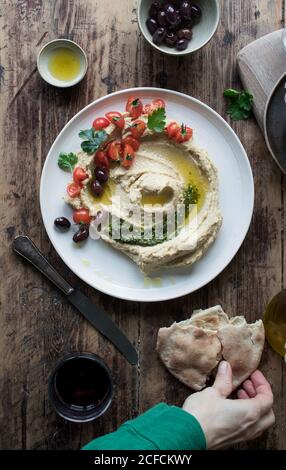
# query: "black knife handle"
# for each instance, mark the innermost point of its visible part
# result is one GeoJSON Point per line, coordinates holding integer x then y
{"type": "Point", "coordinates": [27, 249]}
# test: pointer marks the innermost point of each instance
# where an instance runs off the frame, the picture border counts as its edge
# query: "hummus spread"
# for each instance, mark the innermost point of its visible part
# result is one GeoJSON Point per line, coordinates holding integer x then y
{"type": "Point", "coordinates": [164, 176]}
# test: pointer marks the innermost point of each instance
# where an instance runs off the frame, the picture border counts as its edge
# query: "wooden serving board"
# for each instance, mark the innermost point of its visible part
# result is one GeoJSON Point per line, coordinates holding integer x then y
{"type": "Point", "coordinates": [261, 64]}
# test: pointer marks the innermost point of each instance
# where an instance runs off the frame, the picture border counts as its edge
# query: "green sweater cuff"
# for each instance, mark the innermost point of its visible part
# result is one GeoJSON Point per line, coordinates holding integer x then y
{"type": "Point", "coordinates": [163, 427]}
{"type": "Point", "coordinates": [169, 428]}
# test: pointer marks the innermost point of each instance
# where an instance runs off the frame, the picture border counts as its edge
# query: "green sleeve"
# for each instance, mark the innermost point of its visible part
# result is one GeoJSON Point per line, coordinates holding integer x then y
{"type": "Point", "coordinates": [163, 427]}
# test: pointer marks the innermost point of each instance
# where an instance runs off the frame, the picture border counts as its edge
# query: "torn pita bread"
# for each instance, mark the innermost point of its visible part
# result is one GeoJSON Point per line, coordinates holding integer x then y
{"type": "Point", "coordinates": [192, 349]}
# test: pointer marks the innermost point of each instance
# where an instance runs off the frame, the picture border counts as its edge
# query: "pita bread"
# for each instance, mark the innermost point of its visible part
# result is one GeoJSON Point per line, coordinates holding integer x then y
{"type": "Point", "coordinates": [192, 349]}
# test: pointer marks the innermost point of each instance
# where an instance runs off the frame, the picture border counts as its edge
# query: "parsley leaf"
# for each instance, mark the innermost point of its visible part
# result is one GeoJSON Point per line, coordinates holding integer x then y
{"type": "Point", "coordinates": [231, 93]}
{"type": "Point", "coordinates": [87, 134]}
{"type": "Point", "coordinates": [157, 120]}
{"type": "Point", "coordinates": [67, 161]}
{"type": "Point", "coordinates": [245, 100]}
{"type": "Point", "coordinates": [240, 104]}
{"type": "Point", "coordinates": [92, 140]}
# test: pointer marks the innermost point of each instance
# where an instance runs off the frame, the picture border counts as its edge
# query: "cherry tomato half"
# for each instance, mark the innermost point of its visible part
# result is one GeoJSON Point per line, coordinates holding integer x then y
{"type": "Point", "coordinates": [137, 129]}
{"type": "Point", "coordinates": [100, 123]}
{"type": "Point", "coordinates": [134, 107]}
{"type": "Point", "coordinates": [128, 156]}
{"type": "Point", "coordinates": [79, 175]}
{"type": "Point", "coordinates": [81, 216]}
{"type": "Point", "coordinates": [135, 144]}
{"type": "Point", "coordinates": [116, 118]}
{"type": "Point", "coordinates": [184, 134]}
{"type": "Point", "coordinates": [158, 103]}
{"type": "Point", "coordinates": [147, 109]}
{"type": "Point", "coordinates": [101, 159]}
{"type": "Point", "coordinates": [73, 189]}
{"type": "Point", "coordinates": [172, 129]}
{"type": "Point", "coordinates": [114, 150]}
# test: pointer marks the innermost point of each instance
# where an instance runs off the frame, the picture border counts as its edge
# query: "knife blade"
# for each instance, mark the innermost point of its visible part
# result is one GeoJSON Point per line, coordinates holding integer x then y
{"type": "Point", "coordinates": [103, 324]}
{"type": "Point", "coordinates": [24, 246]}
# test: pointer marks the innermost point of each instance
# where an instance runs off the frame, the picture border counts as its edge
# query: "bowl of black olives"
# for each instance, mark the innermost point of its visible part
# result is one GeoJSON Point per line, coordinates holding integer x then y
{"type": "Point", "coordinates": [178, 27]}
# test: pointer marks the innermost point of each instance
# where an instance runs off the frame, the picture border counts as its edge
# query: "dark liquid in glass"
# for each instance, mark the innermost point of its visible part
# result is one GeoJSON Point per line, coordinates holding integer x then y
{"type": "Point", "coordinates": [82, 383]}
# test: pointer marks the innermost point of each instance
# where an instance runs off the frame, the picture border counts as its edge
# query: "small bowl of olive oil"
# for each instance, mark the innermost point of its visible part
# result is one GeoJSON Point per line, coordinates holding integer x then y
{"type": "Point", "coordinates": [62, 63]}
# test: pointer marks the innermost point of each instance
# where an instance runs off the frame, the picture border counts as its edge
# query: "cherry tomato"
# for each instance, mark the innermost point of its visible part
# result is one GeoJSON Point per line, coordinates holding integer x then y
{"type": "Point", "coordinates": [81, 216]}
{"type": "Point", "coordinates": [184, 134]}
{"type": "Point", "coordinates": [135, 144]}
{"type": "Point", "coordinates": [128, 156]}
{"type": "Point", "coordinates": [158, 103]}
{"type": "Point", "coordinates": [137, 129]}
{"type": "Point", "coordinates": [101, 159]}
{"type": "Point", "coordinates": [172, 129]}
{"type": "Point", "coordinates": [79, 175]}
{"type": "Point", "coordinates": [73, 190]}
{"type": "Point", "coordinates": [114, 150]}
{"type": "Point", "coordinates": [116, 118]}
{"type": "Point", "coordinates": [147, 109]}
{"type": "Point", "coordinates": [134, 107]}
{"type": "Point", "coordinates": [100, 123]}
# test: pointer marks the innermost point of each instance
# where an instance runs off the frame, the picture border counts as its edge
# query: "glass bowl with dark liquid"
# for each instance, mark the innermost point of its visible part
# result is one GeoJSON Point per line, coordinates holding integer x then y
{"type": "Point", "coordinates": [81, 387]}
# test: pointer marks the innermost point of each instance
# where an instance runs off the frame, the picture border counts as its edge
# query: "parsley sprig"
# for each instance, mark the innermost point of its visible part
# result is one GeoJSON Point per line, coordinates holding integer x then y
{"type": "Point", "coordinates": [67, 161]}
{"type": "Point", "coordinates": [92, 140]}
{"type": "Point", "coordinates": [191, 195]}
{"type": "Point", "coordinates": [157, 120]}
{"type": "Point", "coordinates": [240, 103]}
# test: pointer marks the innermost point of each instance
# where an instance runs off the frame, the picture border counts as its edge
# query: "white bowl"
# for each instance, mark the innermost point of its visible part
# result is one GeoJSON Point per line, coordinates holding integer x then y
{"type": "Point", "coordinates": [44, 58]}
{"type": "Point", "coordinates": [203, 30]}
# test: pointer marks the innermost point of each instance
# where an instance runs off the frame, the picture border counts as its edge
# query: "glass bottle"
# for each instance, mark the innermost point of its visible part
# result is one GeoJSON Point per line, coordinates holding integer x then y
{"type": "Point", "coordinates": [275, 323]}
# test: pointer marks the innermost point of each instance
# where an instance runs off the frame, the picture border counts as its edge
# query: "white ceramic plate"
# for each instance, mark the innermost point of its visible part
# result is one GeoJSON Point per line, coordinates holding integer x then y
{"type": "Point", "coordinates": [112, 272]}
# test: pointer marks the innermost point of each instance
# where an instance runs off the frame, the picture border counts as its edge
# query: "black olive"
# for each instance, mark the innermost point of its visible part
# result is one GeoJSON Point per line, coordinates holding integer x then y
{"type": "Point", "coordinates": [187, 23]}
{"type": "Point", "coordinates": [185, 10]}
{"type": "Point", "coordinates": [101, 174]}
{"type": "Point", "coordinates": [159, 36]}
{"type": "Point", "coordinates": [154, 8]}
{"type": "Point", "coordinates": [185, 33]}
{"type": "Point", "coordinates": [177, 23]}
{"type": "Point", "coordinates": [96, 188]}
{"type": "Point", "coordinates": [62, 223]}
{"type": "Point", "coordinates": [182, 44]}
{"type": "Point", "coordinates": [171, 39]}
{"type": "Point", "coordinates": [196, 11]}
{"type": "Point", "coordinates": [171, 14]}
{"type": "Point", "coordinates": [161, 18]}
{"type": "Point", "coordinates": [152, 25]}
{"type": "Point", "coordinates": [82, 234]}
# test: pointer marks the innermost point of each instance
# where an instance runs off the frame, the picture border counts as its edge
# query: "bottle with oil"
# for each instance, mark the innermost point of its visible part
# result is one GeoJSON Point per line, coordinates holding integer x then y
{"type": "Point", "coordinates": [275, 323]}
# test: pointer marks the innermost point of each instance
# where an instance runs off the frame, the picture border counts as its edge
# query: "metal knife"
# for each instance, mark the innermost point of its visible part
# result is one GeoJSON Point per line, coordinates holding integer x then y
{"type": "Point", "coordinates": [24, 246]}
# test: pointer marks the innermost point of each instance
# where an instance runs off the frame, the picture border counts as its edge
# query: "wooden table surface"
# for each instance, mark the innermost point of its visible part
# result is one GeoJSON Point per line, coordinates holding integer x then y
{"type": "Point", "coordinates": [37, 326]}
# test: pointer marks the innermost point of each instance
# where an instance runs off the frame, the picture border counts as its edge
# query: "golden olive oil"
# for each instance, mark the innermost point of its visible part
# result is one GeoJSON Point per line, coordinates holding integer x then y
{"type": "Point", "coordinates": [275, 323]}
{"type": "Point", "coordinates": [162, 198]}
{"type": "Point", "coordinates": [190, 172]}
{"type": "Point", "coordinates": [64, 64]}
{"type": "Point", "coordinates": [106, 197]}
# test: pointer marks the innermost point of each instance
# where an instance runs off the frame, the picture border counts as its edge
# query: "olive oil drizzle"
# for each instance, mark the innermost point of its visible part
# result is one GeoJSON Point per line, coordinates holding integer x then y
{"type": "Point", "coordinates": [191, 196]}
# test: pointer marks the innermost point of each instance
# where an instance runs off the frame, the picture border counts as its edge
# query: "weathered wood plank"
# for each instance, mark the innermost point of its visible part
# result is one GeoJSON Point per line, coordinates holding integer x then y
{"type": "Point", "coordinates": [38, 326]}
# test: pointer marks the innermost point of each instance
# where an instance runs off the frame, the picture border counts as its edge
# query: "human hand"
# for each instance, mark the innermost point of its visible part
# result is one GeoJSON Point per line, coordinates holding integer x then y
{"type": "Point", "coordinates": [226, 422]}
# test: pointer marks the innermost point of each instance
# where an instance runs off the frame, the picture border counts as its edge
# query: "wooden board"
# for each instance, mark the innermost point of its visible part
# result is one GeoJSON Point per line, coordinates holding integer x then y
{"type": "Point", "coordinates": [37, 327]}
